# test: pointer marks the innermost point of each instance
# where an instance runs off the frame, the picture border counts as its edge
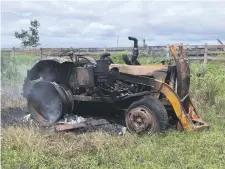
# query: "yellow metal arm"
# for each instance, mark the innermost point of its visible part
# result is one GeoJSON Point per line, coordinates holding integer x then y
{"type": "Point", "coordinates": [189, 121]}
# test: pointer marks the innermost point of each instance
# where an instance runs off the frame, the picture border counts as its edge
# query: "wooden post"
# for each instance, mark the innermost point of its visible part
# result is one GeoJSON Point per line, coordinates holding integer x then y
{"type": "Point", "coordinates": [221, 44]}
{"type": "Point", "coordinates": [205, 54]}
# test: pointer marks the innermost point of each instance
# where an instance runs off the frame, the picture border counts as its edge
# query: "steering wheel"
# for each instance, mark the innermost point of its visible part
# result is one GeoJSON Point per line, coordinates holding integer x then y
{"type": "Point", "coordinates": [70, 53]}
{"type": "Point", "coordinates": [106, 56]}
{"type": "Point", "coordinates": [85, 59]}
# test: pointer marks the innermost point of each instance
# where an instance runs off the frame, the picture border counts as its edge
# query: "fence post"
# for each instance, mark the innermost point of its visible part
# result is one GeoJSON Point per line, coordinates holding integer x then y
{"type": "Point", "coordinates": [205, 54]}
{"type": "Point", "coordinates": [168, 51]}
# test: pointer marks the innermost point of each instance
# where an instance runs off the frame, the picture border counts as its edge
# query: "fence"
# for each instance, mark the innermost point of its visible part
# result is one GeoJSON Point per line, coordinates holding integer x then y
{"type": "Point", "coordinates": [194, 52]}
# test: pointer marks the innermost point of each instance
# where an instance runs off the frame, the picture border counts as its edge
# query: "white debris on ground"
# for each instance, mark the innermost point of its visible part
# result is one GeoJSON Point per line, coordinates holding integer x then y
{"type": "Point", "coordinates": [26, 118]}
{"type": "Point", "coordinates": [123, 131]}
{"type": "Point", "coordinates": [74, 119]}
{"type": "Point", "coordinates": [71, 119]}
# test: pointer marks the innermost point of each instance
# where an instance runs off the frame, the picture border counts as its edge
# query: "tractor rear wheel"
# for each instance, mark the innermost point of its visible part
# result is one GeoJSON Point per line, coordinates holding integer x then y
{"type": "Point", "coordinates": [47, 102]}
{"type": "Point", "coordinates": [147, 115]}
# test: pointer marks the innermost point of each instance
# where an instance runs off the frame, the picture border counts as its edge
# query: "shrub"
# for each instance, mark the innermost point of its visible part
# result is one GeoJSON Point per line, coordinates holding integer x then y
{"type": "Point", "coordinates": [14, 68]}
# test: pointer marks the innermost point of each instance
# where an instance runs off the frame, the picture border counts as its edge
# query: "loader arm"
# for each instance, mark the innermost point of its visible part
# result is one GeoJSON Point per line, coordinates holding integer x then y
{"type": "Point", "coordinates": [189, 120]}
{"type": "Point", "coordinates": [183, 86]}
{"type": "Point", "coordinates": [183, 83]}
{"type": "Point", "coordinates": [183, 71]}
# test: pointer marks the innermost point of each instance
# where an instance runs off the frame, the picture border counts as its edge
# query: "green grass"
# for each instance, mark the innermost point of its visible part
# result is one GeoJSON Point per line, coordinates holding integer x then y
{"type": "Point", "coordinates": [220, 55]}
{"type": "Point", "coordinates": [14, 68]}
{"type": "Point", "coordinates": [13, 73]}
{"type": "Point", "coordinates": [34, 149]}
{"type": "Point", "coordinates": [31, 148]}
{"type": "Point", "coordinates": [143, 58]}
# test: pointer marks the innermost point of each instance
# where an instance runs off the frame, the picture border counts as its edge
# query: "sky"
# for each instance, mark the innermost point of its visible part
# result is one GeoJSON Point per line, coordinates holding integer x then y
{"type": "Point", "coordinates": [92, 23]}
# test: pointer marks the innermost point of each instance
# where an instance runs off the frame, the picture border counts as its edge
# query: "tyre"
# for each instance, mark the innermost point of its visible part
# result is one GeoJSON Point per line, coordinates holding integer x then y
{"type": "Point", "coordinates": [147, 115]}
{"type": "Point", "coordinates": [47, 103]}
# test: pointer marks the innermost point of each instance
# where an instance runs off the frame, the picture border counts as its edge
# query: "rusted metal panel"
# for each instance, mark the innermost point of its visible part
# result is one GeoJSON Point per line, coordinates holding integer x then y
{"type": "Point", "coordinates": [84, 76]}
{"type": "Point", "coordinates": [86, 124]}
{"type": "Point", "coordinates": [63, 127]}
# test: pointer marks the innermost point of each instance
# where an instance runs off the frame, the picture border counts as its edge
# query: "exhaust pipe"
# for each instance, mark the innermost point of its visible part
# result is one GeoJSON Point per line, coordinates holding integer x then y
{"type": "Point", "coordinates": [135, 52]}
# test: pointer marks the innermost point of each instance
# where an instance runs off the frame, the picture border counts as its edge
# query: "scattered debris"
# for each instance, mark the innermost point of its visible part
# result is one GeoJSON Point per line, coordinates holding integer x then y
{"type": "Point", "coordinates": [72, 122]}
{"type": "Point", "coordinates": [26, 118]}
{"type": "Point", "coordinates": [68, 119]}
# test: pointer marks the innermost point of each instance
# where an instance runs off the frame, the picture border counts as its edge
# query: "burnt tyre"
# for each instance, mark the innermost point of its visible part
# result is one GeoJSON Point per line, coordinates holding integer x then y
{"type": "Point", "coordinates": [147, 115]}
{"type": "Point", "coordinates": [47, 102]}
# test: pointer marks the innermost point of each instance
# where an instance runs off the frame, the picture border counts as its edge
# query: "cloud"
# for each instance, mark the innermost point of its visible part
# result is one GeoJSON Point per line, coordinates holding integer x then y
{"type": "Point", "coordinates": [98, 23]}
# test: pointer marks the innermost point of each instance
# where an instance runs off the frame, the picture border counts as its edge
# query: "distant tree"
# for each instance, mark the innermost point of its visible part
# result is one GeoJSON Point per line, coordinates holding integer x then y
{"type": "Point", "coordinates": [31, 37]}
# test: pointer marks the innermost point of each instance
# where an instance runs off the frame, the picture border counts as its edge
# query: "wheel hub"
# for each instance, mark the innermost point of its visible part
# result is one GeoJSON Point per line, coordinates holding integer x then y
{"type": "Point", "coordinates": [140, 119]}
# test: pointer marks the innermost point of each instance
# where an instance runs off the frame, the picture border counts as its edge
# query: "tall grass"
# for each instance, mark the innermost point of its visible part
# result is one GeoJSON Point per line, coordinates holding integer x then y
{"type": "Point", "coordinates": [14, 68]}
{"type": "Point", "coordinates": [13, 73]}
{"type": "Point", "coordinates": [32, 148]}
{"type": "Point", "coordinates": [208, 92]}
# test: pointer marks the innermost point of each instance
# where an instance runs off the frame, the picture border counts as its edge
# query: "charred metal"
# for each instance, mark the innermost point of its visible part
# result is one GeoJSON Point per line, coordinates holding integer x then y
{"type": "Point", "coordinates": [155, 95]}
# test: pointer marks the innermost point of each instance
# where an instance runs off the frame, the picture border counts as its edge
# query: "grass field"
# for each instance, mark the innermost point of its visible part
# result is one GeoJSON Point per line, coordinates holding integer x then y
{"type": "Point", "coordinates": [25, 147]}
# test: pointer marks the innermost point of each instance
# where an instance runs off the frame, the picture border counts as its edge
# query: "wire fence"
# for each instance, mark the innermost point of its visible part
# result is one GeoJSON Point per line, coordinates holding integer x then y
{"type": "Point", "coordinates": [194, 52]}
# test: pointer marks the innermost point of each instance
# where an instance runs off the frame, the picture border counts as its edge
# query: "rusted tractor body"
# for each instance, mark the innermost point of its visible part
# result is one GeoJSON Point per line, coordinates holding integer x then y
{"type": "Point", "coordinates": [148, 98]}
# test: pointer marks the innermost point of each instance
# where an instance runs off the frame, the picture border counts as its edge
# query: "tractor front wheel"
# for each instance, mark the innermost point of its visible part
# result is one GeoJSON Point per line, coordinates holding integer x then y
{"type": "Point", "coordinates": [147, 115]}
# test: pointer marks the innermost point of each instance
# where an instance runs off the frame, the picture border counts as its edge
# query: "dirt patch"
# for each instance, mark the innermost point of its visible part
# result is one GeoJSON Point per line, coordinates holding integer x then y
{"type": "Point", "coordinates": [12, 115]}
{"type": "Point", "coordinates": [15, 116]}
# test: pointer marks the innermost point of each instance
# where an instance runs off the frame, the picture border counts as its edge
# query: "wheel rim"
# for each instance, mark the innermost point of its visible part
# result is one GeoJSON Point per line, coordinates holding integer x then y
{"type": "Point", "coordinates": [140, 120]}
{"type": "Point", "coordinates": [45, 106]}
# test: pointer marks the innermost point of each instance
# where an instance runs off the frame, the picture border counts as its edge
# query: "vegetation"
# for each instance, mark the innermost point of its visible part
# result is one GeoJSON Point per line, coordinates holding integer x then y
{"type": "Point", "coordinates": [13, 73]}
{"type": "Point", "coordinates": [14, 68]}
{"type": "Point", "coordinates": [143, 58]}
{"type": "Point", "coordinates": [26, 147]}
{"type": "Point", "coordinates": [29, 39]}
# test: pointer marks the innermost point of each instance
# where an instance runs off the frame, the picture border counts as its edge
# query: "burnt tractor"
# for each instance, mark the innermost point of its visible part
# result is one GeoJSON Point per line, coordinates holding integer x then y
{"type": "Point", "coordinates": [145, 98]}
